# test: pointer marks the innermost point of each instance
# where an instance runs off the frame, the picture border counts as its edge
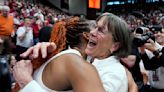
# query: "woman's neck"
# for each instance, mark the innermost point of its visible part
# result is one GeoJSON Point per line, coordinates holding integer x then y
{"type": "Point", "coordinates": [82, 51]}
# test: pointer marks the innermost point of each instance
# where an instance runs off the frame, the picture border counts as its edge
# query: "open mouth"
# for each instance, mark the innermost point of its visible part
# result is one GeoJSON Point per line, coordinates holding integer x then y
{"type": "Point", "coordinates": [92, 43]}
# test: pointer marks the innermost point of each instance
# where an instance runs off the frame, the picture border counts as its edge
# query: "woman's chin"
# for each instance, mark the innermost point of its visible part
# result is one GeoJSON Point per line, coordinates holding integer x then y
{"type": "Point", "coordinates": [88, 52]}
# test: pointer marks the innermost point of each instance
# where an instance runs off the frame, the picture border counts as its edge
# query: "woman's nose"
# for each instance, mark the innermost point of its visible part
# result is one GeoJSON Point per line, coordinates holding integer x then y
{"type": "Point", "coordinates": [93, 32]}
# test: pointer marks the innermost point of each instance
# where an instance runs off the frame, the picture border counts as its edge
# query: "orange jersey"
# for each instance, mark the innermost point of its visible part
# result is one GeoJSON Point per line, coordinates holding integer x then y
{"type": "Point", "coordinates": [6, 25]}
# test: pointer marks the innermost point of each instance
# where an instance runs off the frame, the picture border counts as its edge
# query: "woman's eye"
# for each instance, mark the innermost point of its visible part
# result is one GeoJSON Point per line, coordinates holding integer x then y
{"type": "Point", "coordinates": [100, 29]}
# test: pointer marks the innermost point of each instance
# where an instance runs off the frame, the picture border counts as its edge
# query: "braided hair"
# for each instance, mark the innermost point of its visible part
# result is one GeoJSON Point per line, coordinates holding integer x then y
{"type": "Point", "coordinates": [75, 26]}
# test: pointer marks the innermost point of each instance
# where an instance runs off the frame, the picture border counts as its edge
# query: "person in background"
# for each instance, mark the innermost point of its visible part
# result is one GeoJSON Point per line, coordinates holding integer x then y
{"type": "Point", "coordinates": [6, 26]}
{"type": "Point", "coordinates": [45, 32]}
{"type": "Point", "coordinates": [6, 23]}
{"type": "Point", "coordinates": [142, 58]}
{"type": "Point", "coordinates": [24, 38]}
{"type": "Point", "coordinates": [5, 76]}
{"type": "Point", "coordinates": [152, 54]}
{"type": "Point", "coordinates": [36, 29]}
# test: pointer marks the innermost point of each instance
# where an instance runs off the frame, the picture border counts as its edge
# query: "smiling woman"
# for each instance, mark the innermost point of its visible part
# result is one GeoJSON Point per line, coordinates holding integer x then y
{"type": "Point", "coordinates": [108, 42]}
{"type": "Point", "coordinates": [110, 36]}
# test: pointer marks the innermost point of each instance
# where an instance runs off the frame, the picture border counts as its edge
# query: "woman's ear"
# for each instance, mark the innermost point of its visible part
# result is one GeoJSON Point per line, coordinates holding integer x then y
{"type": "Point", "coordinates": [115, 47]}
{"type": "Point", "coordinates": [86, 35]}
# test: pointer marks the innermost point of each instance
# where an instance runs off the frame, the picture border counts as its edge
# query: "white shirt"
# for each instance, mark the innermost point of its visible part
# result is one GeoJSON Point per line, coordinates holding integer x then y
{"type": "Point", "coordinates": [159, 84]}
{"type": "Point", "coordinates": [112, 73]}
{"type": "Point", "coordinates": [27, 41]}
{"type": "Point", "coordinates": [40, 15]}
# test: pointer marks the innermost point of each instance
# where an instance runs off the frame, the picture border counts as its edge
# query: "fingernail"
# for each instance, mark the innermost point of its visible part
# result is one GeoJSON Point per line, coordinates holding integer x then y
{"type": "Point", "coordinates": [35, 56]}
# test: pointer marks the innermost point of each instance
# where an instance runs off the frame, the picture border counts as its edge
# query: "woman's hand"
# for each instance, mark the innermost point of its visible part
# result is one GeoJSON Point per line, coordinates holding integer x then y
{"type": "Point", "coordinates": [41, 48]}
{"type": "Point", "coordinates": [22, 72]}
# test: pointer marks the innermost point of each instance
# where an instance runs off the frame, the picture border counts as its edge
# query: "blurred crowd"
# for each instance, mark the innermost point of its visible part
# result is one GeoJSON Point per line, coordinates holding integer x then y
{"type": "Point", "coordinates": [38, 16]}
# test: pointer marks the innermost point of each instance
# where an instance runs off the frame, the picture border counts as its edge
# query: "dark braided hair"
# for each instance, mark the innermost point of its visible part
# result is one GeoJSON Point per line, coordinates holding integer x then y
{"type": "Point", "coordinates": [75, 28]}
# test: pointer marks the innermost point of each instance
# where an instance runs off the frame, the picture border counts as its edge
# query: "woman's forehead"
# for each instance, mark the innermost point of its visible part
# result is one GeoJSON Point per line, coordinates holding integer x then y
{"type": "Point", "coordinates": [102, 21]}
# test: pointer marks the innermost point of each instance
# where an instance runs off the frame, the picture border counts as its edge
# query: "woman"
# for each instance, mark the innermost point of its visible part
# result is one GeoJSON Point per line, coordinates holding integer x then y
{"type": "Point", "coordinates": [67, 68]}
{"type": "Point", "coordinates": [106, 39]}
{"type": "Point", "coordinates": [108, 42]}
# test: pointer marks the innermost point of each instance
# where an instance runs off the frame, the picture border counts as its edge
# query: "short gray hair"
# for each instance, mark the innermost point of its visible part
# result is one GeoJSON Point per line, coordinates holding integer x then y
{"type": "Point", "coordinates": [120, 33]}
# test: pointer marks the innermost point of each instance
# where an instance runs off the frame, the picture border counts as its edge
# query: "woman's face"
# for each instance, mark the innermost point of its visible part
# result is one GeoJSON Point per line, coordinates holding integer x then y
{"type": "Point", "coordinates": [100, 43]}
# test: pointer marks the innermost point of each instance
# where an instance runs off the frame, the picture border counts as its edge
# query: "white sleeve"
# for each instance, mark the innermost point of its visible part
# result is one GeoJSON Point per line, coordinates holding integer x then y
{"type": "Point", "coordinates": [20, 31]}
{"type": "Point", "coordinates": [32, 86]}
{"type": "Point", "coordinates": [111, 82]}
{"type": "Point", "coordinates": [114, 78]}
{"type": "Point", "coordinates": [149, 53]}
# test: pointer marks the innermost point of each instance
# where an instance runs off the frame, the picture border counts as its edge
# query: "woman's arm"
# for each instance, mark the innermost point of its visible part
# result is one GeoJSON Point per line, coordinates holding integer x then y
{"type": "Point", "coordinates": [132, 87]}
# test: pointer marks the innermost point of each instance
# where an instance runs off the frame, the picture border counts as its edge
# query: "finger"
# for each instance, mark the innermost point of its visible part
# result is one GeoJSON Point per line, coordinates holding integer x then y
{"type": "Point", "coordinates": [31, 57]}
{"type": "Point", "coordinates": [52, 47]}
{"type": "Point", "coordinates": [44, 49]}
{"type": "Point", "coordinates": [14, 69]}
{"type": "Point", "coordinates": [13, 58]}
{"type": "Point", "coordinates": [27, 61]}
{"type": "Point", "coordinates": [36, 50]}
{"type": "Point", "coordinates": [27, 53]}
{"type": "Point", "coordinates": [14, 74]}
{"type": "Point", "coordinates": [18, 65]}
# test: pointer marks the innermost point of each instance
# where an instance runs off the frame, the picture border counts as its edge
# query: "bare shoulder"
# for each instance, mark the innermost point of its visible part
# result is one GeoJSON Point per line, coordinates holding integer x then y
{"type": "Point", "coordinates": [73, 61]}
{"type": "Point", "coordinates": [59, 68]}
{"type": "Point", "coordinates": [82, 76]}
